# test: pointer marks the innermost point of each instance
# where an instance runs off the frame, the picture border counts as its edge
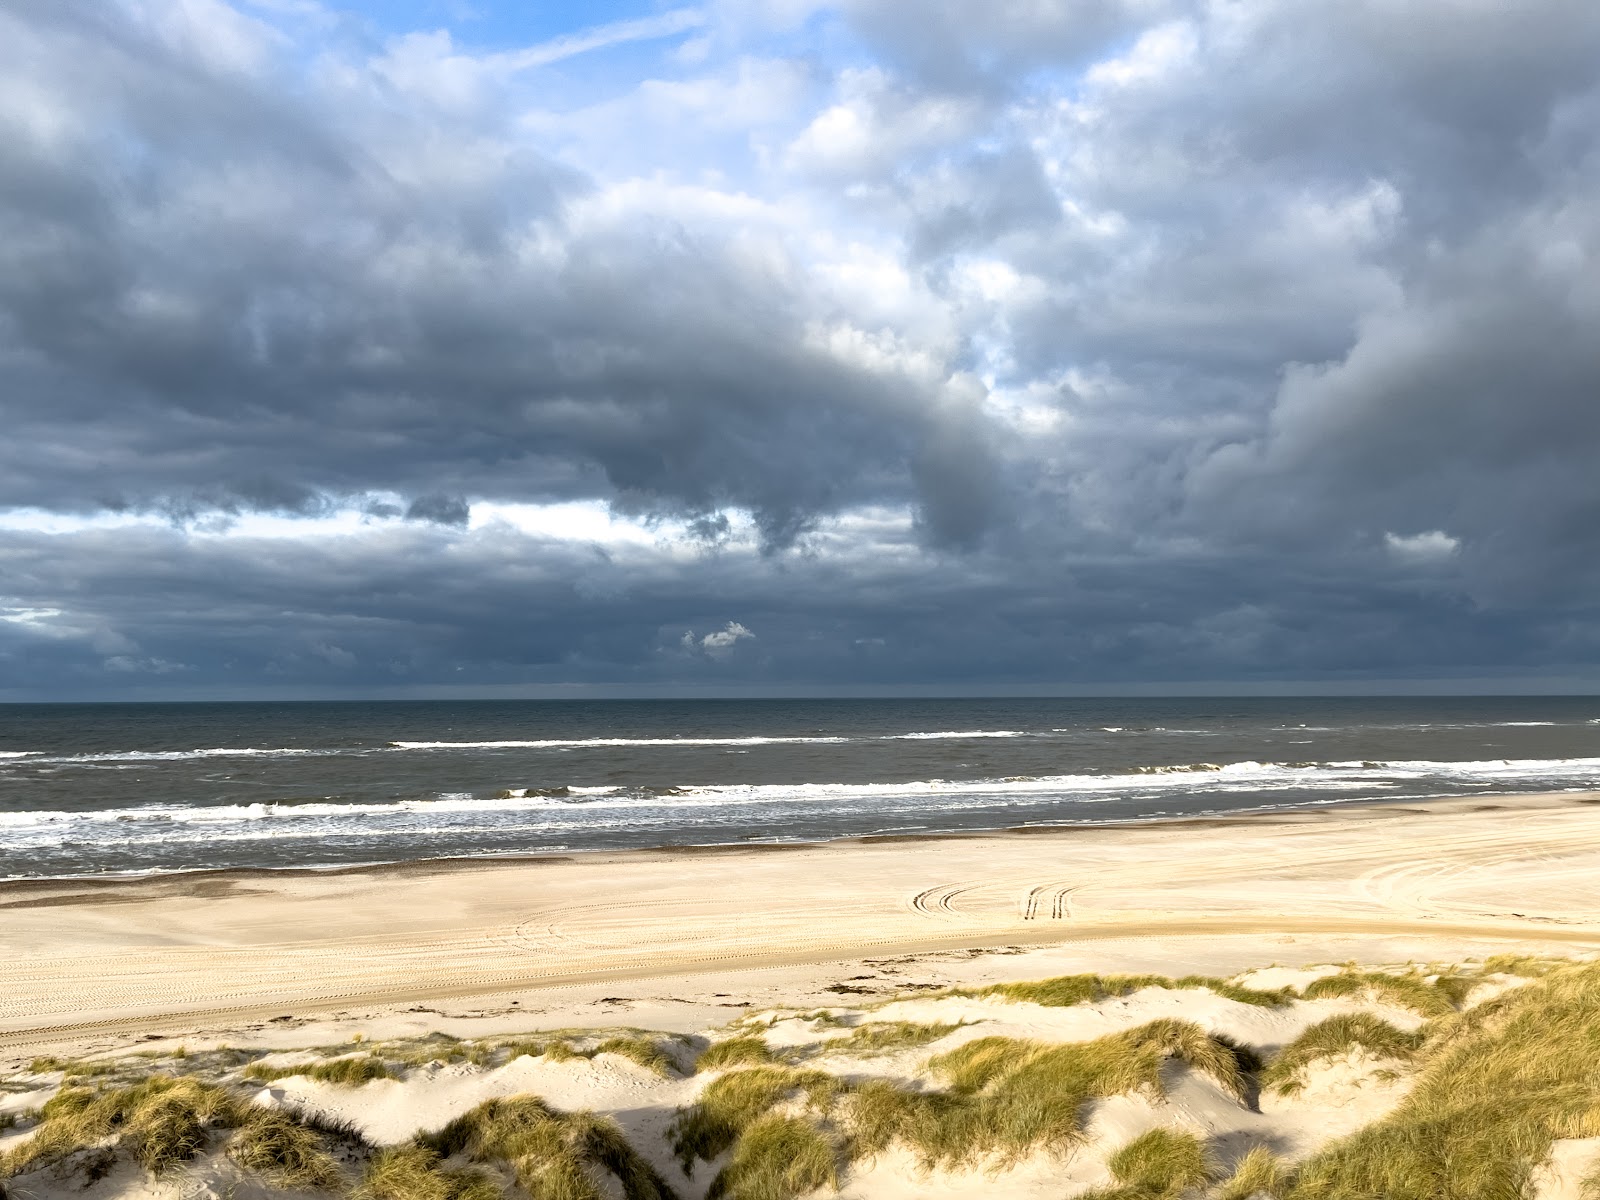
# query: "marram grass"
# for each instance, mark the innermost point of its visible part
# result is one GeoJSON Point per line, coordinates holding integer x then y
{"type": "Point", "coordinates": [1160, 1163]}
{"type": "Point", "coordinates": [342, 1072]}
{"type": "Point", "coordinates": [1333, 1037]}
{"type": "Point", "coordinates": [1066, 991]}
{"type": "Point", "coordinates": [551, 1155]}
{"type": "Point", "coordinates": [1498, 1084]}
{"type": "Point", "coordinates": [743, 1051]}
{"type": "Point", "coordinates": [1003, 1099]}
{"type": "Point", "coordinates": [1429, 998]}
{"type": "Point", "coordinates": [164, 1120]}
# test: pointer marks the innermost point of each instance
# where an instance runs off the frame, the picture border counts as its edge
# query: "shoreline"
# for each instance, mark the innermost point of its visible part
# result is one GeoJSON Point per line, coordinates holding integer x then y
{"type": "Point", "coordinates": [468, 861]}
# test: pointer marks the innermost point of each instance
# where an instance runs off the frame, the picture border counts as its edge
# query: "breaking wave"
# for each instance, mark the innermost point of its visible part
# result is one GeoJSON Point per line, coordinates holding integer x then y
{"type": "Point", "coordinates": [705, 808]}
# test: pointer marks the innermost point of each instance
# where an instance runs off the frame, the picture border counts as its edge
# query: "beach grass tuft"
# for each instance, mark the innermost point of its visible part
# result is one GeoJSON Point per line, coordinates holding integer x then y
{"type": "Point", "coordinates": [342, 1072]}
{"type": "Point", "coordinates": [552, 1155]}
{"type": "Point", "coordinates": [733, 1103]}
{"type": "Point", "coordinates": [885, 1037]}
{"type": "Point", "coordinates": [1161, 1163]}
{"type": "Point", "coordinates": [1259, 1173]}
{"type": "Point", "coordinates": [417, 1173]}
{"type": "Point", "coordinates": [647, 1052]}
{"type": "Point", "coordinates": [746, 1050]}
{"type": "Point", "coordinates": [777, 1158]}
{"type": "Point", "coordinates": [159, 1122]}
{"type": "Point", "coordinates": [1068, 991]}
{"type": "Point", "coordinates": [1336, 1036]}
{"type": "Point", "coordinates": [274, 1144]}
{"type": "Point", "coordinates": [1497, 1085]}
{"type": "Point", "coordinates": [1412, 990]}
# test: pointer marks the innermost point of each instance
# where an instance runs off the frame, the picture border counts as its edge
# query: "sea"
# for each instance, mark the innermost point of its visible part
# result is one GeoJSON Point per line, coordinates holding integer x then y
{"type": "Point", "coordinates": [108, 789]}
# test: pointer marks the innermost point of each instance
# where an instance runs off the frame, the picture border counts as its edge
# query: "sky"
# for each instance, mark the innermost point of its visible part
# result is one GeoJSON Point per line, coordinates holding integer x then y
{"type": "Point", "coordinates": [468, 347]}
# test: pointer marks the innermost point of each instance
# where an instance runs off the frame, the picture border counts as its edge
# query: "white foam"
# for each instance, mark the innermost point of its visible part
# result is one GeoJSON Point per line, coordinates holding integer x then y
{"type": "Point", "coordinates": [17, 753]}
{"type": "Point", "coordinates": [555, 743]}
{"type": "Point", "coordinates": [138, 756]}
{"type": "Point", "coordinates": [960, 734]}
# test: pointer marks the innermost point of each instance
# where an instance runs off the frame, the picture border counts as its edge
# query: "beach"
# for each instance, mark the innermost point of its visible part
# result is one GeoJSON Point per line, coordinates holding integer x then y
{"type": "Point", "coordinates": [89, 962]}
{"type": "Point", "coordinates": [637, 965]}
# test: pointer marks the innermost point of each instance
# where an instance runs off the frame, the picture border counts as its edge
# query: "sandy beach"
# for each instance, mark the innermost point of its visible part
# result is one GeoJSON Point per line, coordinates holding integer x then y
{"type": "Point", "coordinates": [92, 963]}
{"type": "Point", "coordinates": [639, 965]}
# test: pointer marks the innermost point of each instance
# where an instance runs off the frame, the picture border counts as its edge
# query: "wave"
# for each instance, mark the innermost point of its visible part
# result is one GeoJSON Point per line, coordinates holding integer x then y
{"type": "Point", "coordinates": [564, 743]}
{"type": "Point", "coordinates": [668, 803]}
{"type": "Point", "coordinates": [962, 734]}
{"type": "Point", "coordinates": [17, 753]}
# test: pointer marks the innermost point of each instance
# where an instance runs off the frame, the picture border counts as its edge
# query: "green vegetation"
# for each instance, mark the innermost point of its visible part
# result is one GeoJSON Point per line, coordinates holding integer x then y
{"type": "Point", "coordinates": [1003, 1099]}
{"type": "Point", "coordinates": [164, 1120]}
{"type": "Point", "coordinates": [885, 1037]}
{"type": "Point", "coordinates": [744, 1051]}
{"type": "Point", "coordinates": [1158, 1164]}
{"type": "Point", "coordinates": [1526, 965]}
{"type": "Point", "coordinates": [417, 1173]}
{"type": "Point", "coordinates": [277, 1145]}
{"type": "Point", "coordinates": [344, 1072]}
{"type": "Point", "coordinates": [1258, 1173]}
{"type": "Point", "coordinates": [778, 1157]}
{"type": "Point", "coordinates": [552, 1155]}
{"type": "Point", "coordinates": [159, 1122]}
{"type": "Point", "coordinates": [1334, 1037]}
{"type": "Point", "coordinates": [1065, 991]}
{"type": "Point", "coordinates": [1412, 990]}
{"type": "Point", "coordinates": [80, 1068]}
{"type": "Point", "coordinates": [652, 1053]}
{"type": "Point", "coordinates": [1497, 1085]}
{"type": "Point", "coordinates": [731, 1105]}
{"type": "Point", "coordinates": [647, 1052]}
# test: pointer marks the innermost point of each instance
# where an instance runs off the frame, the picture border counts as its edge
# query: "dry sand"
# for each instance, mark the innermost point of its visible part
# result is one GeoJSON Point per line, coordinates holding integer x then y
{"type": "Point", "coordinates": [685, 934]}
{"type": "Point", "coordinates": [689, 941]}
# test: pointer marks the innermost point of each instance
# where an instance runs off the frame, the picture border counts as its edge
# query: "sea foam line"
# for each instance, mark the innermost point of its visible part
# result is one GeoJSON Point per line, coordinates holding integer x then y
{"type": "Point", "coordinates": [1195, 777]}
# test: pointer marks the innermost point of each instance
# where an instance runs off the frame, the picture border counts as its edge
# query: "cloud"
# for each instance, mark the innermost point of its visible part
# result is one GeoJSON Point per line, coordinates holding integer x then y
{"type": "Point", "coordinates": [720, 643]}
{"type": "Point", "coordinates": [1108, 341]}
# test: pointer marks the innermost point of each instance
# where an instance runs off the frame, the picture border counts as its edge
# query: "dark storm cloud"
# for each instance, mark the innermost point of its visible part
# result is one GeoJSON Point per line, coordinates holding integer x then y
{"type": "Point", "coordinates": [258, 301]}
{"type": "Point", "coordinates": [1230, 342]}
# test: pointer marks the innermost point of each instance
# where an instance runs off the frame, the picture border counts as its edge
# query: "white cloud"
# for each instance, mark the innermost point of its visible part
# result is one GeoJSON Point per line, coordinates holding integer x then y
{"type": "Point", "coordinates": [1422, 549]}
{"type": "Point", "coordinates": [721, 643]}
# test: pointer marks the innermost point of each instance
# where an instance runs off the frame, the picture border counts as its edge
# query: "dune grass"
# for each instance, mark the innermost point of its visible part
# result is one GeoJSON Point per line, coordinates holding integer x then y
{"type": "Point", "coordinates": [777, 1158]}
{"type": "Point", "coordinates": [1529, 966]}
{"type": "Point", "coordinates": [552, 1155]}
{"type": "Point", "coordinates": [1259, 1173]}
{"type": "Point", "coordinates": [731, 1105]}
{"type": "Point", "coordinates": [885, 1037]}
{"type": "Point", "coordinates": [342, 1072]}
{"type": "Point", "coordinates": [80, 1068]}
{"type": "Point", "coordinates": [158, 1122]}
{"type": "Point", "coordinates": [1067, 991]}
{"type": "Point", "coordinates": [275, 1144]}
{"type": "Point", "coordinates": [417, 1173]}
{"type": "Point", "coordinates": [1333, 1037]}
{"type": "Point", "coordinates": [165, 1120]}
{"type": "Point", "coordinates": [1411, 990]}
{"type": "Point", "coordinates": [790, 1129]}
{"type": "Point", "coordinates": [653, 1053]}
{"type": "Point", "coordinates": [1498, 1085]}
{"type": "Point", "coordinates": [1007, 1098]}
{"type": "Point", "coordinates": [435, 1047]}
{"type": "Point", "coordinates": [745, 1051]}
{"type": "Point", "coordinates": [1158, 1164]}
{"type": "Point", "coordinates": [647, 1052]}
